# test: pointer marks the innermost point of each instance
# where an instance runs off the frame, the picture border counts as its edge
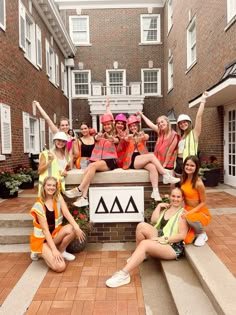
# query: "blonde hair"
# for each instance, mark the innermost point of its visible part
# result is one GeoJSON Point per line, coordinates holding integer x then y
{"type": "Point", "coordinates": [168, 124]}
{"type": "Point", "coordinates": [42, 191]}
{"type": "Point", "coordinates": [66, 153]}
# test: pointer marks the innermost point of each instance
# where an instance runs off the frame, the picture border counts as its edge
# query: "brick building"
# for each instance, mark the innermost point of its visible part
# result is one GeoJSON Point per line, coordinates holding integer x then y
{"type": "Point", "coordinates": [156, 56]}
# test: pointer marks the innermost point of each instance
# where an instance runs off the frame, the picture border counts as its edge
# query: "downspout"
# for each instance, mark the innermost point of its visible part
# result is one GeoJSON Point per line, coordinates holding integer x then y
{"type": "Point", "coordinates": [70, 64]}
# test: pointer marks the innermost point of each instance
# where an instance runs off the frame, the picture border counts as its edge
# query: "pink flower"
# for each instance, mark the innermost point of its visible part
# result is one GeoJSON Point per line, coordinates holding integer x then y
{"type": "Point", "coordinates": [75, 212]}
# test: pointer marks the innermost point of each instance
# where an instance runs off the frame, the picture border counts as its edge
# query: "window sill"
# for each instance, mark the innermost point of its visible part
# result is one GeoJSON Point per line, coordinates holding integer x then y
{"type": "Point", "coordinates": [230, 23]}
{"type": "Point", "coordinates": [2, 157]}
{"type": "Point", "coordinates": [150, 44]}
{"type": "Point", "coordinates": [191, 66]}
{"type": "Point", "coordinates": [80, 96]}
{"type": "Point", "coordinates": [82, 44]}
{"type": "Point", "coordinates": [153, 95]}
{"type": "Point", "coordinates": [33, 64]}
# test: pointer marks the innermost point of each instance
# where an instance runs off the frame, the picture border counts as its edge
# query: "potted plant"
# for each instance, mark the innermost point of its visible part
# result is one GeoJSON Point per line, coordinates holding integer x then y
{"type": "Point", "coordinates": [148, 211]}
{"type": "Point", "coordinates": [81, 216]}
{"type": "Point", "coordinates": [9, 184]}
{"type": "Point", "coordinates": [210, 171]}
{"type": "Point", "coordinates": [31, 176]}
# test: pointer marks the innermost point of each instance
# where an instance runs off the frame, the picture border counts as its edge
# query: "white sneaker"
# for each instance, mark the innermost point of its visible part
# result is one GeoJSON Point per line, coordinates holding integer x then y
{"type": "Point", "coordinates": [118, 279]}
{"type": "Point", "coordinates": [73, 193]}
{"type": "Point", "coordinates": [68, 256]}
{"type": "Point", "coordinates": [201, 239]}
{"type": "Point", "coordinates": [81, 202]}
{"type": "Point", "coordinates": [155, 194]}
{"type": "Point", "coordinates": [169, 179]}
{"type": "Point", "coordinates": [34, 256]}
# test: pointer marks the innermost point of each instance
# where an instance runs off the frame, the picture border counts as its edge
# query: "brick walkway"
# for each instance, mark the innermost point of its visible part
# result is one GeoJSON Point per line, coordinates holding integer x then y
{"type": "Point", "coordinates": [81, 288]}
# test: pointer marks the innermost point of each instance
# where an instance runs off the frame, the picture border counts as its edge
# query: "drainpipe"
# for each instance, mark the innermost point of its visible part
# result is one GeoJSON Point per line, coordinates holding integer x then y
{"type": "Point", "coordinates": [70, 64]}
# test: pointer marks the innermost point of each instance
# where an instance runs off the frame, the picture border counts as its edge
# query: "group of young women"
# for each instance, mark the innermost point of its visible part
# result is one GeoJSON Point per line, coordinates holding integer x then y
{"type": "Point", "coordinates": [121, 143]}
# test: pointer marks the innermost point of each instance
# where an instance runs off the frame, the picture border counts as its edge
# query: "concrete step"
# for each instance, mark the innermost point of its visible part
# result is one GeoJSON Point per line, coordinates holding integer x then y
{"type": "Point", "coordinates": [15, 220]}
{"type": "Point", "coordinates": [186, 290]}
{"type": "Point", "coordinates": [217, 281]}
{"type": "Point", "coordinates": [15, 235]}
{"type": "Point", "coordinates": [14, 248]}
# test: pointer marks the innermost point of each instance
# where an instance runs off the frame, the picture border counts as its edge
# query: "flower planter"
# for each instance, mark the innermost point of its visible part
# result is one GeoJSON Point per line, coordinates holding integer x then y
{"type": "Point", "coordinates": [76, 246]}
{"type": "Point", "coordinates": [27, 185]}
{"type": "Point", "coordinates": [211, 177]}
{"type": "Point", "coordinates": [5, 193]}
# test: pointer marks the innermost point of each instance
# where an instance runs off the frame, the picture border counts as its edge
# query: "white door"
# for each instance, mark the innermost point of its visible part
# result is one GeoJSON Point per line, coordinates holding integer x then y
{"type": "Point", "coordinates": [230, 145]}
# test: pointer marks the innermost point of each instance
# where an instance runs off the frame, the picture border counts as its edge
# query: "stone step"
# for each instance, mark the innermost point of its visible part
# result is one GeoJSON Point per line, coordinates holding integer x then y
{"type": "Point", "coordinates": [15, 235]}
{"type": "Point", "coordinates": [217, 281]}
{"type": "Point", "coordinates": [14, 248]}
{"type": "Point", "coordinates": [15, 220]}
{"type": "Point", "coordinates": [186, 289]}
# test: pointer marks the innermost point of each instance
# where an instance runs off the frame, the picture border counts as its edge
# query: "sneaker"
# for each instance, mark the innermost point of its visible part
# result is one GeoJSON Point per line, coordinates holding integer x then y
{"type": "Point", "coordinates": [68, 256]}
{"type": "Point", "coordinates": [73, 193]}
{"type": "Point", "coordinates": [155, 195]}
{"type": "Point", "coordinates": [81, 202]}
{"type": "Point", "coordinates": [118, 279]}
{"type": "Point", "coordinates": [34, 256]}
{"type": "Point", "coordinates": [201, 239]}
{"type": "Point", "coordinates": [169, 179]}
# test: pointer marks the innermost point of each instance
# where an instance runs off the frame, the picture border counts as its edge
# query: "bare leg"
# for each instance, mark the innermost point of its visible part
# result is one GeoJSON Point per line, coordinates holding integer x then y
{"type": "Point", "coordinates": [144, 231]}
{"type": "Point", "coordinates": [57, 266]}
{"type": "Point", "coordinates": [64, 237]}
{"type": "Point", "coordinates": [153, 174]}
{"type": "Point", "coordinates": [154, 249]}
{"type": "Point", "coordinates": [143, 159]}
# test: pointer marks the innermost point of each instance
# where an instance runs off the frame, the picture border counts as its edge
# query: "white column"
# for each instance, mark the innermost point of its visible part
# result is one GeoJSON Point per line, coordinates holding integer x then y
{"type": "Point", "coordinates": [94, 122]}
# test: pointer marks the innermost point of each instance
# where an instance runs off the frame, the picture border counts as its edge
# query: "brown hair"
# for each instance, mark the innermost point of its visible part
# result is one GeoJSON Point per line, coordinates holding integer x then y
{"type": "Point", "coordinates": [196, 161]}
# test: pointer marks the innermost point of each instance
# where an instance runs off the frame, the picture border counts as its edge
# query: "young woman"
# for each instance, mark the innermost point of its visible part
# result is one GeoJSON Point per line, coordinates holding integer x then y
{"type": "Point", "coordinates": [103, 159]}
{"type": "Point", "coordinates": [137, 157]}
{"type": "Point", "coordinates": [167, 140]}
{"type": "Point", "coordinates": [196, 213]}
{"type": "Point", "coordinates": [49, 238]}
{"type": "Point", "coordinates": [85, 145]}
{"type": "Point", "coordinates": [188, 144]}
{"type": "Point", "coordinates": [163, 240]}
{"type": "Point", "coordinates": [63, 126]}
{"type": "Point", "coordinates": [56, 161]}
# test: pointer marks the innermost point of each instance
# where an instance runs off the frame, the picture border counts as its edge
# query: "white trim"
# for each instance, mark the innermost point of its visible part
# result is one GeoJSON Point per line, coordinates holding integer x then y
{"type": "Point", "coordinates": [26, 128]}
{"type": "Point", "coordinates": [170, 71]}
{"type": "Point", "coordinates": [3, 24]}
{"type": "Point", "coordinates": [6, 134]}
{"type": "Point", "coordinates": [38, 47]}
{"type": "Point", "coordinates": [110, 86]}
{"type": "Point", "coordinates": [231, 10]}
{"type": "Point", "coordinates": [42, 133]}
{"type": "Point", "coordinates": [191, 45]}
{"type": "Point", "coordinates": [158, 70]}
{"type": "Point", "coordinates": [169, 15]}
{"type": "Point", "coordinates": [158, 29]}
{"type": "Point", "coordinates": [74, 95]}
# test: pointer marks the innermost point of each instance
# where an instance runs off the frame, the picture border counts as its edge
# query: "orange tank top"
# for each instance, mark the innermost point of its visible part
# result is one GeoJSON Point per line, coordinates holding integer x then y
{"type": "Point", "coordinates": [190, 193]}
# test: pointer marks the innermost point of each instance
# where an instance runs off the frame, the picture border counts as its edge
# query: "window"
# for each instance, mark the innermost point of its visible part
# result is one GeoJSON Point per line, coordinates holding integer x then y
{"type": "Point", "coordinates": [191, 43]}
{"type": "Point", "coordinates": [151, 82]}
{"type": "Point", "coordinates": [79, 29]}
{"type": "Point", "coordinates": [81, 83]}
{"type": "Point", "coordinates": [31, 134]}
{"type": "Point", "coordinates": [150, 28]}
{"type": "Point", "coordinates": [3, 14]}
{"type": "Point", "coordinates": [231, 10]}
{"type": "Point", "coordinates": [170, 73]}
{"type": "Point", "coordinates": [30, 37]}
{"type": "Point", "coordinates": [170, 14]}
{"type": "Point", "coordinates": [42, 134]}
{"type": "Point", "coordinates": [116, 82]}
{"type": "Point", "coordinates": [52, 64]}
{"type": "Point", "coordinates": [6, 137]}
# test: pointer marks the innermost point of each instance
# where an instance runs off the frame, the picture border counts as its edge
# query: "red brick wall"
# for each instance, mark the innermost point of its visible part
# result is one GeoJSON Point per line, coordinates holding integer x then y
{"type": "Point", "coordinates": [21, 82]}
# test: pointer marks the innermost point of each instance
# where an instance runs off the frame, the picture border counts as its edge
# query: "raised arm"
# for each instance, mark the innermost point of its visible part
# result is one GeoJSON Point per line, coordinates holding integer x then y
{"type": "Point", "coordinates": [149, 123]}
{"type": "Point", "coordinates": [50, 123]}
{"type": "Point", "coordinates": [198, 122]}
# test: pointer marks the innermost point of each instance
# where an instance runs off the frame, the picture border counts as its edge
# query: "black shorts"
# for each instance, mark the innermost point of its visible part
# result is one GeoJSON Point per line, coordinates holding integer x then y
{"type": "Point", "coordinates": [179, 166]}
{"type": "Point", "coordinates": [132, 159]}
{"type": "Point", "coordinates": [111, 164]}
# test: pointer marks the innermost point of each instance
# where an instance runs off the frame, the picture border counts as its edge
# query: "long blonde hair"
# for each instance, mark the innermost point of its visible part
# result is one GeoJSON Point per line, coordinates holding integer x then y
{"type": "Point", "coordinates": [168, 125]}
{"type": "Point", "coordinates": [65, 151]}
{"type": "Point", "coordinates": [42, 191]}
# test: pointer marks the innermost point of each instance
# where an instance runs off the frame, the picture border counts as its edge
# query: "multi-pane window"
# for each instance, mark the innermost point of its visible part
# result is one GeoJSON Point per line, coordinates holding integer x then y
{"type": "Point", "coordinates": [81, 83]}
{"type": "Point", "coordinates": [116, 82]}
{"type": "Point", "coordinates": [150, 28]}
{"type": "Point", "coordinates": [170, 14]}
{"type": "Point", "coordinates": [231, 10]}
{"type": "Point", "coordinates": [170, 73]}
{"type": "Point", "coordinates": [79, 29]}
{"type": "Point", "coordinates": [5, 135]}
{"type": "Point", "coordinates": [3, 14]}
{"type": "Point", "coordinates": [151, 81]}
{"type": "Point", "coordinates": [191, 43]}
{"type": "Point", "coordinates": [52, 64]}
{"type": "Point", "coordinates": [29, 37]}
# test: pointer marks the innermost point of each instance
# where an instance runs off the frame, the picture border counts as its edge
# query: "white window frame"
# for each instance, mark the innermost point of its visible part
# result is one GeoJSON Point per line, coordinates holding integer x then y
{"type": "Point", "coordinates": [170, 73]}
{"type": "Point", "coordinates": [62, 77]}
{"type": "Point", "coordinates": [116, 89]}
{"type": "Point", "coordinates": [57, 69]}
{"type": "Point", "coordinates": [42, 133]}
{"type": "Point", "coordinates": [29, 135]}
{"type": "Point", "coordinates": [86, 32]}
{"type": "Point", "coordinates": [6, 133]}
{"type": "Point", "coordinates": [158, 28]}
{"type": "Point", "coordinates": [191, 44]}
{"type": "Point", "coordinates": [3, 12]}
{"type": "Point", "coordinates": [158, 83]}
{"type": "Point", "coordinates": [169, 15]}
{"type": "Point", "coordinates": [231, 10]}
{"type": "Point", "coordinates": [38, 47]}
{"type": "Point", "coordinates": [88, 84]}
{"type": "Point", "coordinates": [51, 62]}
